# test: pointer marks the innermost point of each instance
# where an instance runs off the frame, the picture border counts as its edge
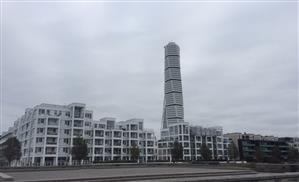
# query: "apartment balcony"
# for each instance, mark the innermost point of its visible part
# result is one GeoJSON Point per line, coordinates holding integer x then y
{"type": "Point", "coordinates": [66, 126]}
{"type": "Point", "coordinates": [50, 153]}
{"type": "Point", "coordinates": [98, 144]}
{"type": "Point", "coordinates": [41, 125]}
{"type": "Point", "coordinates": [78, 116]}
{"type": "Point", "coordinates": [39, 144]}
{"type": "Point", "coordinates": [53, 121]}
{"type": "Point", "coordinates": [87, 136]}
{"type": "Point", "coordinates": [51, 142]}
{"type": "Point", "coordinates": [40, 134]}
{"type": "Point", "coordinates": [38, 153]}
{"type": "Point", "coordinates": [117, 146]}
{"type": "Point", "coordinates": [63, 135]}
{"type": "Point", "coordinates": [78, 125]}
{"type": "Point", "coordinates": [52, 133]}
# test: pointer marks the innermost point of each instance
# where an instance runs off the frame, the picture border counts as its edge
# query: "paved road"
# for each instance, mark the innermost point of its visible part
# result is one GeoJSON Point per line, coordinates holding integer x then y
{"type": "Point", "coordinates": [259, 177]}
{"type": "Point", "coordinates": [113, 172]}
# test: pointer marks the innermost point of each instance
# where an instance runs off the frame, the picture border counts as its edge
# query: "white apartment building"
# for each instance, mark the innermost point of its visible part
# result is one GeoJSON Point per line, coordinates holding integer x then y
{"type": "Point", "coordinates": [47, 131]}
{"type": "Point", "coordinates": [191, 138]}
{"type": "Point", "coordinates": [213, 138]}
{"type": "Point", "coordinates": [175, 132]}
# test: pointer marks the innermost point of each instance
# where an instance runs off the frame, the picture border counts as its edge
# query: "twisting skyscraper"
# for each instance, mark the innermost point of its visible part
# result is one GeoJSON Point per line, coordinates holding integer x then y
{"type": "Point", "coordinates": [174, 128]}
{"type": "Point", "coordinates": [173, 110]}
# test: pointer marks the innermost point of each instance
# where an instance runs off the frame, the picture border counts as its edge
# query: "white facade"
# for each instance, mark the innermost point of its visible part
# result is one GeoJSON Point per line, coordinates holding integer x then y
{"type": "Point", "coordinates": [47, 131]}
{"type": "Point", "coordinates": [175, 132]}
{"type": "Point", "coordinates": [173, 126]}
{"type": "Point", "coordinates": [173, 109]}
{"type": "Point", "coordinates": [191, 138]}
{"type": "Point", "coordinates": [213, 138]}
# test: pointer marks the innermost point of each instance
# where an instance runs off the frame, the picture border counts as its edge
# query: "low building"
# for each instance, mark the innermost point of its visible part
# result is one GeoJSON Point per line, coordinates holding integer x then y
{"type": "Point", "coordinates": [291, 141]}
{"type": "Point", "coordinates": [234, 137]}
{"type": "Point", "coordinates": [191, 138]}
{"type": "Point", "coordinates": [248, 149]}
{"type": "Point", "coordinates": [47, 132]}
{"type": "Point", "coordinates": [175, 132]}
{"type": "Point", "coordinates": [5, 135]}
{"type": "Point", "coordinates": [213, 138]}
{"type": "Point", "coordinates": [248, 143]}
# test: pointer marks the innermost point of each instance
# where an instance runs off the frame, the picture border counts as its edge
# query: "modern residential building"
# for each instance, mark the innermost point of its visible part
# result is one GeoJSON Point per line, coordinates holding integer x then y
{"type": "Point", "coordinates": [192, 138]}
{"type": "Point", "coordinates": [213, 138]}
{"type": "Point", "coordinates": [248, 145]}
{"type": "Point", "coordinates": [173, 127]}
{"type": "Point", "coordinates": [47, 132]}
{"type": "Point", "coordinates": [291, 141]}
{"type": "Point", "coordinates": [248, 149]}
{"type": "Point", "coordinates": [234, 137]}
{"type": "Point", "coordinates": [5, 135]}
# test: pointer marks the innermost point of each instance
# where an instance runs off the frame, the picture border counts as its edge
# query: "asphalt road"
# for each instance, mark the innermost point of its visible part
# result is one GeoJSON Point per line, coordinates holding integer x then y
{"type": "Point", "coordinates": [106, 173]}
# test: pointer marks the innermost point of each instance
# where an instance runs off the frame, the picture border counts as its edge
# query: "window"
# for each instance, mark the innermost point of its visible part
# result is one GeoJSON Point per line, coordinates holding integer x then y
{"type": "Point", "coordinates": [67, 132]}
{"type": "Point", "coordinates": [219, 139]}
{"type": "Point", "coordinates": [41, 121]}
{"type": "Point", "coordinates": [68, 114]}
{"type": "Point", "coordinates": [101, 126]}
{"type": "Point", "coordinates": [140, 125]}
{"type": "Point", "coordinates": [40, 130]}
{"type": "Point", "coordinates": [41, 111]}
{"type": "Point", "coordinates": [67, 122]}
{"type": "Point", "coordinates": [186, 144]}
{"type": "Point", "coordinates": [38, 149]}
{"type": "Point", "coordinates": [65, 150]}
{"type": "Point", "coordinates": [78, 123]}
{"type": "Point", "coordinates": [99, 133]}
{"type": "Point", "coordinates": [39, 140]}
{"type": "Point", "coordinates": [186, 151]}
{"type": "Point", "coordinates": [110, 124]}
{"type": "Point", "coordinates": [98, 141]}
{"type": "Point", "coordinates": [88, 133]}
{"type": "Point", "coordinates": [87, 123]}
{"type": "Point", "coordinates": [186, 138]}
{"type": "Point", "coordinates": [52, 121]}
{"type": "Point", "coordinates": [88, 115]}
{"type": "Point", "coordinates": [209, 139]}
{"type": "Point", "coordinates": [66, 140]}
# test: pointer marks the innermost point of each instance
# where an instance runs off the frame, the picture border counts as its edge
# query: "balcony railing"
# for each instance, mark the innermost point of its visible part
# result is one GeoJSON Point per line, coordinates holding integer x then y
{"type": "Point", "coordinates": [50, 152]}
{"type": "Point", "coordinates": [52, 142]}
{"type": "Point", "coordinates": [52, 133]}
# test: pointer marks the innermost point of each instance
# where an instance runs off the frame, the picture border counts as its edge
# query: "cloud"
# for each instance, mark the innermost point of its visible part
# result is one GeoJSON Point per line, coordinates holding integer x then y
{"type": "Point", "coordinates": [239, 61]}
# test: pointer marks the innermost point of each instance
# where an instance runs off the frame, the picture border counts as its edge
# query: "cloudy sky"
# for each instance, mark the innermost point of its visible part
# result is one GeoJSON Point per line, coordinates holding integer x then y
{"type": "Point", "coordinates": [238, 60]}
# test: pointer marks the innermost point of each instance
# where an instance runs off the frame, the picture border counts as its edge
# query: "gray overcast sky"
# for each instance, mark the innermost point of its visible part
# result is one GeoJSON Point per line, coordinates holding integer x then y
{"type": "Point", "coordinates": [238, 60]}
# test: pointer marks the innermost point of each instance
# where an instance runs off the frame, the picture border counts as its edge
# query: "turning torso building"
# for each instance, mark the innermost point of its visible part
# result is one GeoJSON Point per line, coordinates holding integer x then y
{"type": "Point", "coordinates": [173, 109]}
{"type": "Point", "coordinates": [174, 127]}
